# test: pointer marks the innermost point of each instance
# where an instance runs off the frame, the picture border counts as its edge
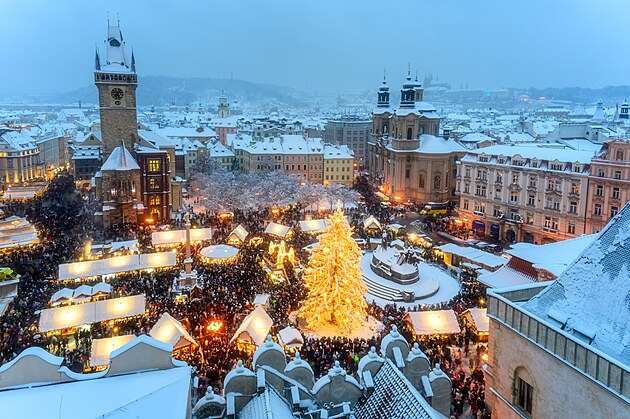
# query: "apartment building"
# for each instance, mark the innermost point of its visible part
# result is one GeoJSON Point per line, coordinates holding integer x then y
{"type": "Point", "coordinates": [609, 182]}
{"type": "Point", "coordinates": [338, 165]}
{"type": "Point", "coordinates": [524, 193]}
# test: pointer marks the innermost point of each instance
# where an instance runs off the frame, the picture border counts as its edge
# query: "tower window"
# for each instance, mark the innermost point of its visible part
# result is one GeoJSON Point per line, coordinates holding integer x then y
{"type": "Point", "coordinates": [154, 200]}
{"type": "Point", "coordinates": [154, 165]}
{"type": "Point", "coordinates": [409, 133]}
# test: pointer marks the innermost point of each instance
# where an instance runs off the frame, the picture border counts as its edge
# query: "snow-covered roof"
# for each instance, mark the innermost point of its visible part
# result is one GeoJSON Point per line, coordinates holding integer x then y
{"type": "Point", "coordinates": [475, 137]}
{"type": "Point", "coordinates": [534, 151]}
{"type": "Point", "coordinates": [479, 318]}
{"type": "Point", "coordinates": [120, 160]}
{"type": "Point", "coordinates": [394, 397]}
{"type": "Point", "coordinates": [552, 257]}
{"type": "Point", "coordinates": [592, 293]}
{"type": "Point", "coordinates": [278, 230]}
{"type": "Point", "coordinates": [371, 221]}
{"type": "Point", "coordinates": [117, 264]}
{"type": "Point", "coordinates": [219, 251]}
{"type": "Point", "coordinates": [179, 236]}
{"type": "Point", "coordinates": [267, 405]}
{"type": "Point", "coordinates": [438, 322]}
{"type": "Point", "coordinates": [474, 255]}
{"type": "Point", "coordinates": [147, 394]}
{"type": "Point", "coordinates": [240, 232]}
{"type": "Point", "coordinates": [171, 331]}
{"type": "Point", "coordinates": [102, 348]}
{"type": "Point", "coordinates": [291, 337]}
{"type": "Point", "coordinates": [313, 226]}
{"type": "Point", "coordinates": [254, 327]}
{"type": "Point", "coordinates": [506, 276]}
{"type": "Point", "coordinates": [89, 313]}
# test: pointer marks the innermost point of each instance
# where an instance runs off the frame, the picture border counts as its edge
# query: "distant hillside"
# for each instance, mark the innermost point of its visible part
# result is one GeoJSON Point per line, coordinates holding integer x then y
{"type": "Point", "coordinates": [608, 94]}
{"type": "Point", "coordinates": [160, 91]}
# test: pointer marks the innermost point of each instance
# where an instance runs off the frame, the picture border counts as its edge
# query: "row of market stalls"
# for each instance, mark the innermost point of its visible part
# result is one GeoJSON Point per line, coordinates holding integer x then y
{"type": "Point", "coordinates": [17, 231]}
{"type": "Point", "coordinates": [444, 323]}
{"type": "Point", "coordinates": [83, 293]}
{"type": "Point", "coordinates": [116, 265]}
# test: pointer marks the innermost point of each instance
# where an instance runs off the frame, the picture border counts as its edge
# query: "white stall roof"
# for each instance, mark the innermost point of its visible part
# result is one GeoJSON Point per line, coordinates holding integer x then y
{"type": "Point", "coordinates": [88, 313]}
{"type": "Point", "coordinates": [115, 265]}
{"type": "Point", "coordinates": [81, 293]}
{"type": "Point", "coordinates": [475, 255]}
{"type": "Point", "coordinates": [371, 221]}
{"type": "Point", "coordinates": [101, 348]}
{"type": "Point", "coordinates": [219, 251]}
{"type": "Point", "coordinates": [278, 230]}
{"type": "Point", "coordinates": [261, 299]}
{"type": "Point", "coordinates": [169, 330]}
{"type": "Point", "coordinates": [179, 236]}
{"type": "Point", "coordinates": [313, 226]}
{"type": "Point", "coordinates": [291, 337]}
{"type": "Point", "coordinates": [255, 327]}
{"type": "Point", "coordinates": [240, 232]}
{"type": "Point", "coordinates": [439, 322]}
{"type": "Point", "coordinates": [479, 318]}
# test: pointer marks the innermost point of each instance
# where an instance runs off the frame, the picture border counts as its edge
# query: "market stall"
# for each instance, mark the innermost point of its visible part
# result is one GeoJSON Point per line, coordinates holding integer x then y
{"type": "Point", "coordinates": [290, 337]}
{"type": "Point", "coordinates": [218, 253]}
{"type": "Point", "coordinates": [313, 226]}
{"type": "Point", "coordinates": [279, 230]}
{"type": "Point", "coordinates": [116, 265]}
{"type": "Point", "coordinates": [254, 329]}
{"type": "Point", "coordinates": [102, 348]}
{"type": "Point", "coordinates": [432, 323]}
{"type": "Point", "coordinates": [477, 321]}
{"type": "Point", "coordinates": [171, 237]}
{"type": "Point", "coordinates": [171, 331]}
{"type": "Point", "coordinates": [237, 236]}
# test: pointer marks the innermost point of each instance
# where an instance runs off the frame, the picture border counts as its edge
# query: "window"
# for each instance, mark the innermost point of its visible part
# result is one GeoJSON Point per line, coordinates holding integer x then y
{"type": "Point", "coordinates": [599, 190]}
{"type": "Point", "coordinates": [556, 166]}
{"type": "Point", "coordinates": [530, 218]}
{"type": "Point", "coordinates": [598, 209]}
{"type": "Point", "coordinates": [571, 228]}
{"type": "Point", "coordinates": [617, 174]}
{"type": "Point", "coordinates": [573, 207]}
{"type": "Point", "coordinates": [601, 172]}
{"type": "Point", "coordinates": [614, 211]}
{"type": "Point", "coordinates": [421, 180]}
{"type": "Point", "coordinates": [501, 160]}
{"type": "Point", "coordinates": [480, 207]}
{"type": "Point", "coordinates": [531, 200]}
{"type": "Point", "coordinates": [483, 159]}
{"type": "Point", "coordinates": [465, 204]}
{"type": "Point", "coordinates": [409, 133]}
{"type": "Point", "coordinates": [615, 193]}
{"type": "Point", "coordinates": [499, 177]}
{"type": "Point", "coordinates": [524, 393]}
{"type": "Point", "coordinates": [517, 162]}
{"type": "Point", "coordinates": [467, 172]}
{"type": "Point", "coordinates": [515, 178]}
{"type": "Point", "coordinates": [514, 197]}
{"type": "Point", "coordinates": [407, 173]}
{"type": "Point", "coordinates": [154, 200]}
{"type": "Point", "coordinates": [154, 185]}
{"type": "Point", "coordinates": [535, 164]}
{"type": "Point", "coordinates": [551, 223]}
{"type": "Point", "coordinates": [619, 155]}
{"type": "Point", "coordinates": [467, 188]}
{"type": "Point", "coordinates": [437, 182]}
{"type": "Point", "coordinates": [497, 211]}
{"type": "Point", "coordinates": [481, 190]}
{"type": "Point", "coordinates": [575, 188]}
{"type": "Point", "coordinates": [154, 165]}
{"type": "Point", "coordinates": [533, 181]}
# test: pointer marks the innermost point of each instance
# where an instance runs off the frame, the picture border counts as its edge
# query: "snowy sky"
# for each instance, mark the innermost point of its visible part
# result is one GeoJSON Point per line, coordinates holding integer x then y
{"type": "Point", "coordinates": [322, 44]}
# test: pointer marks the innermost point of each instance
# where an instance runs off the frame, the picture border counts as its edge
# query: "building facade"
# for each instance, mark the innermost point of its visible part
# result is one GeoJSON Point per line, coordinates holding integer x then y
{"type": "Point", "coordinates": [406, 157]}
{"type": "Point", "coordinates": [19, 157]}
{"type": "Point", "coordinates": [521, 193]}
{"type": "Point", "coordinates": [609, 182]}
{"type": "Point", "coordinates": [353, 132]}
{"type": "Point", "coordinates": [554, 350]}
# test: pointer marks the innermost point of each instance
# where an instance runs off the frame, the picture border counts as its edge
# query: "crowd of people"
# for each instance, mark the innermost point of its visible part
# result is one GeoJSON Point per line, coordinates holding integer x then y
{"type": "Point", "coordinates": [64, 220]}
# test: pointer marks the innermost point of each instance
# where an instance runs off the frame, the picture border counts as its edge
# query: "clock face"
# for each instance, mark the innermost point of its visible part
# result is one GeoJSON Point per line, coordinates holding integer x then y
{"type": "Point", "coordinates": [117, 93]}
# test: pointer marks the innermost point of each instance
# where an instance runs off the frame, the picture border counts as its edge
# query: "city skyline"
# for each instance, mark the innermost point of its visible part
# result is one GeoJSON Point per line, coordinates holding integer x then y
{"type": "Point", "coordinates": [330, 46]}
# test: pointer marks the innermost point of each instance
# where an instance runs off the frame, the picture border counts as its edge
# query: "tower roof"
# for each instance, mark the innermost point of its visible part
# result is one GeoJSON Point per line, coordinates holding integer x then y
{"type": "Point", "coordinates": [120, 160]}
{"type": "Point", "coordinates": [116, 60]}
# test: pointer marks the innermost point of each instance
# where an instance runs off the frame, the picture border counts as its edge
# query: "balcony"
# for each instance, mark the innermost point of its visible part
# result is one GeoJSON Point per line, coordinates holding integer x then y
{"type": "Point", "coordinates": [515, 187]}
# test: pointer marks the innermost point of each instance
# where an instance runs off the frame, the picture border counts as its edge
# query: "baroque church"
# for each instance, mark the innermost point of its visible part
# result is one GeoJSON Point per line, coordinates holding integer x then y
{"type": "Point", "coordinates": [408, 158]}
{"type": "Point", "coordinates": [134, 184]}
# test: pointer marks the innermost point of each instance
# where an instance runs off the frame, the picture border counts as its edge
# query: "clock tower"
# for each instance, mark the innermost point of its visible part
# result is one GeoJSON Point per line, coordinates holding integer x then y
{"type": "Point", "coordinates": [116, 80]}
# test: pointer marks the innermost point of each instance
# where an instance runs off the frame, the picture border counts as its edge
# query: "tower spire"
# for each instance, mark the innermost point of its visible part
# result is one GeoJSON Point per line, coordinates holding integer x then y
{"type": "Point", "coordinates": [97, 59]}
{"type": "Point", "coordinates": [409, 71]}
{"type": "Point", "coordinates": [416, 76]}
{"type": "Point", "coordinates": [133, 61]}
{"type": "Point", "coordinates": [384, 75]}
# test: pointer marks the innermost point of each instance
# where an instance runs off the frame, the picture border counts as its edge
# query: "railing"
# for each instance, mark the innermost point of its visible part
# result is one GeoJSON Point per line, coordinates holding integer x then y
{"type": "Point", "coordinates": [607, 372]}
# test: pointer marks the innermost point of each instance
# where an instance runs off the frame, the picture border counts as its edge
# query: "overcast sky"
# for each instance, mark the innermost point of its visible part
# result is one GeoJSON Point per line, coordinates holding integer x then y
{"type": "Point", "coordinates": [48, 45]}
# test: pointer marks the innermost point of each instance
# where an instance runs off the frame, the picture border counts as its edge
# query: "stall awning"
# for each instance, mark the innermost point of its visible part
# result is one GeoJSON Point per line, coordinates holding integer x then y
{"type": "Point", "coordinates": [478, 225]}
{"type": "Point", "coordinates": [278, 230]}
{"type": "Point", "coordinates": [169, 330]}
{"type": "Point", "coordinates": [478, 319]}
{"type": "Point", "coordinates": [102, 348]}
{"type": "Point", "coordinates": [439, 322]}
{"type": "Point", "coordinates": [115, 265]}
{"type": "Point", "coordinates": [179, 236]}
{"type": "Point", "coordinates": [313, 226]}
{"type": "Point", "coordinates": [254, 328]}
{"type": "Point", "coordinates": [88, 313]}
{"type": "Point", "coordinates": [291, 337]}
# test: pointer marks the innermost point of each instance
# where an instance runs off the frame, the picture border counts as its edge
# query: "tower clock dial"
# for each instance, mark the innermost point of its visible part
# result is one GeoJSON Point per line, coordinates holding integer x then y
{"type": "Point", "coordinates": [117, 93]}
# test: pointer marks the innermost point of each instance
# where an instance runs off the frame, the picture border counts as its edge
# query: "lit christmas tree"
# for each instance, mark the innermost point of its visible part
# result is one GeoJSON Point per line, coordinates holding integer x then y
{"type": "Point", "coordinates": [334, 281]}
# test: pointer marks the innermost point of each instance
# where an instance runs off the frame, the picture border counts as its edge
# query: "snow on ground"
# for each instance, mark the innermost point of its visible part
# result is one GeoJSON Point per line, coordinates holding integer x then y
{"type": "Point", "coordinates": [371, 328]}
{"type": "Point", "coordinates": [429, 275]}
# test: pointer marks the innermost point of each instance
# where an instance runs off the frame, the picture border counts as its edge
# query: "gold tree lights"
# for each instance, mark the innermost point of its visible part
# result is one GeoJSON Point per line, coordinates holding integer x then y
{"type": "Point", "coordinates": [334, 280]}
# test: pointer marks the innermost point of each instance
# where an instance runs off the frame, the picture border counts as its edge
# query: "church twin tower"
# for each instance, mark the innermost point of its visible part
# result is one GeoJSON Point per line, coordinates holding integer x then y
{"type": "Point", "coordinates": [134, 181]}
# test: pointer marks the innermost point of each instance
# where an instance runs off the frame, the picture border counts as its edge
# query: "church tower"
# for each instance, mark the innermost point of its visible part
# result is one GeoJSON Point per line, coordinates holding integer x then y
{"type": "Point", "coordinates": [116, 80]}
{"type": "Point", "coordinates": [224, 106]}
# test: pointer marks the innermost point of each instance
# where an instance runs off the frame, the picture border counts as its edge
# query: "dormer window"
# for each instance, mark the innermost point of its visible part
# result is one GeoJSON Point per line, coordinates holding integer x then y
{"type": "Point", "coordinates": [535, 164]}
{"type": "Point", "coordinates": [556, 166]}
{"type": "Point", "coordinates": [483, 159]}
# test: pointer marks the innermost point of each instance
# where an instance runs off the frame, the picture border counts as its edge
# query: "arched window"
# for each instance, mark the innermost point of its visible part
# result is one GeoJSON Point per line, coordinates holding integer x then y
{"type": "Point", "coordinates": [437, 182]}
{"type": "Point", "coordinates": [409, 133]}
{"type": "Point", "coordinates": [523, 390]}
{"type": "Point", "coordinates": [384, 128]}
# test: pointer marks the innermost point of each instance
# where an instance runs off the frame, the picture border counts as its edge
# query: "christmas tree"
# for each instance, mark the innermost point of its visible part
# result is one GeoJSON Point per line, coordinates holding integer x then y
{"type": "Point", "coordinates": [334, 281]}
